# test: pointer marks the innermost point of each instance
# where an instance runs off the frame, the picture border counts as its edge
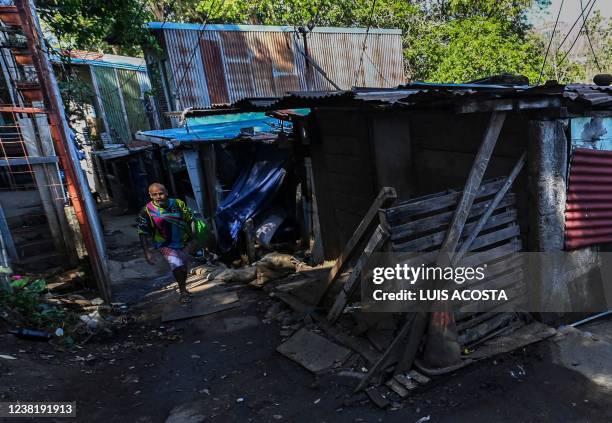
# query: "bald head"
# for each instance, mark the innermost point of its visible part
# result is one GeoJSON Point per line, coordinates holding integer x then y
{"type": "Point", "coordinates": [157, 185]}
{"type": "Point", "coordinates": [158, 193]}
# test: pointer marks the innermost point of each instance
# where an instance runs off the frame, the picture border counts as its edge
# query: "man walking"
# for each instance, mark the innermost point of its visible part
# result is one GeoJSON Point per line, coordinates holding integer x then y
{"type": "Point", "coordinates": [169, 224]}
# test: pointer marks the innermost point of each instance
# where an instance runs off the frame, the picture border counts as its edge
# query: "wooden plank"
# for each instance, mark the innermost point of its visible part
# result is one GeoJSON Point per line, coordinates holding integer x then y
{"type": "Point", "coordinates": [467, 244]}
{"type": "Point", "coordinates": [249, 236]}
{"type": "Point", "coordinates": [495, 237]}
{"type": "Point", "coordinates": [200, 306]}
{"type": "Point", "coordinates": [483, 257]}
{"type": "Point", "coordinates": [442, 348]}
{"type": "Point", "coordinates": [485, 328]}
{"type": "Point", "coordinates": [386, 196]}
{"type": "Point", "coordinates": [316, 250]}
{"type": "Point", "coordinates": [472, 185]}
{"type": "Point", "coordinates": [313, 351]}
{"type": "Point", "coordinates": [436, 239]}
{"type": "Point", "coordinates": [378, 238]}
{"type": "Point", "coordinates": [431, 222]}
{"type": "Point", "coordinates": [465, 316]}
{"type": "Point", "coordinates": [434, 202]}
{"type": "Point", "coordinates": [382, 361]}
{"type": "Point", "coordinates": [516, 292]}
{"type": "Point", "coordinates": [356, 343]}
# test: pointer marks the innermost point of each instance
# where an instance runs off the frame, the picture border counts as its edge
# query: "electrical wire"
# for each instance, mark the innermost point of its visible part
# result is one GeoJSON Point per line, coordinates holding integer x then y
{"type": "Point", "coordinates": [552, 36]}
{"type": "Point", "coordinates": [586, 31]}
{"type": "Point", "coordinates": [197, 44]}
{"type": "Point", "coordinates": [364, 41]}
{"type": "Point", "coordinates": [574, 24]}
{"type": "Point", "coordinates": [578, 34]}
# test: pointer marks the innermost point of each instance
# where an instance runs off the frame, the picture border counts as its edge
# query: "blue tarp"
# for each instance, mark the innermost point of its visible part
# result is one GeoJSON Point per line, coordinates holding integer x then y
{"type": "Point", "coordinates": [252, 193]}
{"type": "Point", "coordinates": [217, 127]}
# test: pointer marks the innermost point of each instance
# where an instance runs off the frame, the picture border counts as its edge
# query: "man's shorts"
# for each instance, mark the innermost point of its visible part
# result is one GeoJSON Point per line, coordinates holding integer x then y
{"type": "Point", "coordinates": [175, 258]}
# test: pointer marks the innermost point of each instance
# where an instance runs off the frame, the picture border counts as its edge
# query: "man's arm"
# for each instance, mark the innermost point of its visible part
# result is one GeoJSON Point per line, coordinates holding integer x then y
{"type": "Point", "coordinates": [144, 233]}
{"type": "Point", "coordinates": [144, 242]}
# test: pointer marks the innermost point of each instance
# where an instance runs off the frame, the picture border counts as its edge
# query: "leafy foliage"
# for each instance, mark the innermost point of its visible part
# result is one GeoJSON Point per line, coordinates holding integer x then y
{"type": "Point", "coordinates": [25, 297]}
{"type": "Point", "coordinates": [98, 24]}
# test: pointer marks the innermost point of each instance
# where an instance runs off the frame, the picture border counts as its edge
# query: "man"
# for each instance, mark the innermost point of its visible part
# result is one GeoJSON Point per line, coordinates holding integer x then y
{"type": "Point", "coordinates": [169, 223]}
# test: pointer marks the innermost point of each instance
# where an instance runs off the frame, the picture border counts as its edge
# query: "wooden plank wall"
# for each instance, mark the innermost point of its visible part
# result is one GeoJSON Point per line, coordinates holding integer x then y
{"type": "Point", "coordinates": [344, 173]}
{"type": "Point", "coordinates": [357, 152]}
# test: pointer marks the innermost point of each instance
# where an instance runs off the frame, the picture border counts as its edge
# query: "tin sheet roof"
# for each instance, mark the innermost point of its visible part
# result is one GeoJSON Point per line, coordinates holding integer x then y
{"type": "Point", "coordinates": [217, 128]}
{"type": "Point", "coordinates": [425, 95]}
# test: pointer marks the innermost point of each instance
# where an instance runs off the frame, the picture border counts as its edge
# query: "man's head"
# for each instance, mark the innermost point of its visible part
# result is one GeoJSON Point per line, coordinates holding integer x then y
{"type": "Point", "coordinates": [158, 193]}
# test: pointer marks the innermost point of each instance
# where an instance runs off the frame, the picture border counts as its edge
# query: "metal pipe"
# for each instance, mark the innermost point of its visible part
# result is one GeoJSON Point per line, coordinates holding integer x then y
{"type": "Point", "coordinates": [590, 319]}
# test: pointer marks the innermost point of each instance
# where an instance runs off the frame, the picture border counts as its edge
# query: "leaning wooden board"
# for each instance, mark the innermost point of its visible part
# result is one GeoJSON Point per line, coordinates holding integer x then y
{"type": "Point", "coordinates": [417, 228]}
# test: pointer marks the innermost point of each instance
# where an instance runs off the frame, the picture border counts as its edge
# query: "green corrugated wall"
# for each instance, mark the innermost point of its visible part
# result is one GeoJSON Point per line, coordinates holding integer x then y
{"type": "Point", "coordinates": [108, 86]}
{"type": "Point", "coordinates": [130, 86]}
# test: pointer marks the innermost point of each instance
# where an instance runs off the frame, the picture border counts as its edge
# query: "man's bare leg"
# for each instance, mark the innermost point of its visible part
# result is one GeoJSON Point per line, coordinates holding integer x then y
{"type": "Point", "coordinates": [180, 274]}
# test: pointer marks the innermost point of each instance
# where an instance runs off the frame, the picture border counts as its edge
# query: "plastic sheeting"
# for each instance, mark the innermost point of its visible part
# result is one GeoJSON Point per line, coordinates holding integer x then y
{"type": "Point", "coordinates": [252, 193]}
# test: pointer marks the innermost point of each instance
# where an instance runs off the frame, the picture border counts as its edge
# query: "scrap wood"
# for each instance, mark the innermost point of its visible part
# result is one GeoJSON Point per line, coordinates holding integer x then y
{"type": "Point", "coordinates": [396, 387]}
{"type": "Point", "coordinates": [200, 306]}
{"type": "Point", "coordinates": [441, 347]}
{"type": "Point", "coordinates": [385, 198]}
{"type": "Point", "coordinates": [377, 240]}
{"type": "Point", "coordinates": [357, 344]}
{"type": "Point", "coordinates": [389, 353]}
{"type": "Point", "coordinates": [313, 351]}
{"type": "Point", "coordinates": [377, 397]}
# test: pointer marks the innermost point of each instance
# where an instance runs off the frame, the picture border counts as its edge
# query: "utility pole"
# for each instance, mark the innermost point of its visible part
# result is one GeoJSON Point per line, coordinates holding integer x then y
{"type": "Point", "coordinates": [78, 191]}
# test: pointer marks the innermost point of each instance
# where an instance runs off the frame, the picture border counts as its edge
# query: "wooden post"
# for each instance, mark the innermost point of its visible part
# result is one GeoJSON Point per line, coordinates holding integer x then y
{"type": "Point", "coordinates": [385, 197]}
{"type": "Point", "coordinates": [465, 246]}
{"type": "Point", "coordinates": [196, 177]}
{"type": "Point", "coordinates": [316, 251]}
{"type": "Point", "coordinates": [249, 233]}
{"type": "Point", "coordinates": [377, 240]}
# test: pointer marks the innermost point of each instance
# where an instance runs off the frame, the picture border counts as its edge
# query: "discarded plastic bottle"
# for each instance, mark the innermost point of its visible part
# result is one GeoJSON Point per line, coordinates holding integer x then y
{"type": "Point", "coordinates": [31, 335]}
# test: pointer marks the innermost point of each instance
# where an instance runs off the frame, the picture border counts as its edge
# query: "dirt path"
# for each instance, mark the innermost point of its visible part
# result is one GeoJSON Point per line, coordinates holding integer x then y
{"type": "Point", "coordinates": [224, 367]}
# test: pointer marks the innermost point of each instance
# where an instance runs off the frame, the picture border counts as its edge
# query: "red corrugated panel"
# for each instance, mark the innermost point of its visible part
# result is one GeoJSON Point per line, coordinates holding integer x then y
{"type": "Point", "coordinates": [588, 214]}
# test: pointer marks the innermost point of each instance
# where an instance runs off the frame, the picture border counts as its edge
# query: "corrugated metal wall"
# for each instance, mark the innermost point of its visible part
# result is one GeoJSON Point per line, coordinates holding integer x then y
{"type": "Point", "coordinates": [111, 100]}
{"type": "Point", "coordinates": [121, 92]}
{"type": "Point", "coordinates": [220, 66]}
{"type": "Point", "coordinates": [588, 214]}
{"type": "Point", "coordinates": [133, 100]}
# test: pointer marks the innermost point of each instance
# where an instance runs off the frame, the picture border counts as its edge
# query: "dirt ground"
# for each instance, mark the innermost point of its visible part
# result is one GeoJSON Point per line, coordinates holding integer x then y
{"type": "Point", "coordinates": [224, 367]}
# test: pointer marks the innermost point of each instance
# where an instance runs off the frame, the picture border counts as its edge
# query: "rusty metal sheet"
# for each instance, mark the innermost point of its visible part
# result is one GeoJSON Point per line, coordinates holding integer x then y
{"type": "Point", "coordinates": [588, 214]}
{"type": "Point", "coordinates": [216, 65]}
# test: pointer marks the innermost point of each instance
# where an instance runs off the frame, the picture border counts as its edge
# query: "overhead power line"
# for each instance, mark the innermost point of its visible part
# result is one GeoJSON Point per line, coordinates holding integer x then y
{"type": "Point", "coordinates": [586, 31]}
{"type": "Point", "coordinates": [365, 41]}
{"type": "Point", "coordinates": [578, 34]}
{"type": "Point", "coordinates": [552, 36]}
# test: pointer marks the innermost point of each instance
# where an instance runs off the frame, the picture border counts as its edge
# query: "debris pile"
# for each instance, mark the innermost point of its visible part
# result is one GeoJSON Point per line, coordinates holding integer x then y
{"type": "Point", "coordinates": [326, 329]}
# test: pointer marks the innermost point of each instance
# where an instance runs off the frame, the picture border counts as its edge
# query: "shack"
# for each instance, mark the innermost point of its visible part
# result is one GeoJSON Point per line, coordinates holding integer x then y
{"type": "Point", "coordinates": [110, 99]}
{"type": "Point", "coordinates": [236, 170]}
{"type": "Point", "coordinates": [422, 139]}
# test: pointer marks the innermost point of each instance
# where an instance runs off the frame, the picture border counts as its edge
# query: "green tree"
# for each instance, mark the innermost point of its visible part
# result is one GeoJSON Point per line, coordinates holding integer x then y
{"type": "Point", "coordinates": [98, 25]}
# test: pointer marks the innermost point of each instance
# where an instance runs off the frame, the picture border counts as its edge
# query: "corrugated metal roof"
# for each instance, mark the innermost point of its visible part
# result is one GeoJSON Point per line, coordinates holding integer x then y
{"type": "Point", "coordinates": [106, 60]}
{"type": "Point", "coordinates": [222, 64]}
{"type": "Point", "coordinates": [215, 128]}
{"type": "Point", "coordinates": [268, 28]}
{"type": "Point", "coordinates": [588, 213]}
{"type": "Point", "coordinates": [424, 94]}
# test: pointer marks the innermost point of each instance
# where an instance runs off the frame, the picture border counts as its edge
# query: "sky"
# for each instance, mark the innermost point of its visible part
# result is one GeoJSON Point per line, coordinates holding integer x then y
{"type": "Point", "coordinates": [570, 11]}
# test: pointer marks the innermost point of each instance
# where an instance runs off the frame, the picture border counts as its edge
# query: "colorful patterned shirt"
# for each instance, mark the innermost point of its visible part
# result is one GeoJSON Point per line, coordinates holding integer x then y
{"type": "Point", "coordinates": [168, 226]}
